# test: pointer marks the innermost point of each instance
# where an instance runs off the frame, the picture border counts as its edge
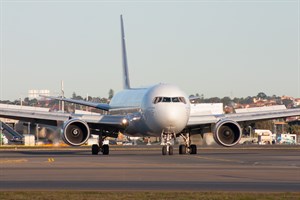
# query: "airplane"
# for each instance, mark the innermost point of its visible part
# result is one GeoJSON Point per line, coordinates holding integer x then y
{"type": "Point", "coordinates": [162, 110]}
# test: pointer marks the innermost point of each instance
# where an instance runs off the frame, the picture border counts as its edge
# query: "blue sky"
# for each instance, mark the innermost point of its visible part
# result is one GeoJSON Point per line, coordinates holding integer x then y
{"type": "Point", "coordinates": [214, 48]}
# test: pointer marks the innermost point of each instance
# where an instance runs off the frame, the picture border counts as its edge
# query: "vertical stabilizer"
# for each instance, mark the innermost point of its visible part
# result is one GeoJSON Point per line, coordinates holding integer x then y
{"type": "Point", "coordinates": [126, 83]}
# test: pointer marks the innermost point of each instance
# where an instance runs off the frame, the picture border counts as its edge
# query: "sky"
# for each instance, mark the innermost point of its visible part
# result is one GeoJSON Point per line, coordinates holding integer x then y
{"type": "Point", "coordinates": [215, 48]}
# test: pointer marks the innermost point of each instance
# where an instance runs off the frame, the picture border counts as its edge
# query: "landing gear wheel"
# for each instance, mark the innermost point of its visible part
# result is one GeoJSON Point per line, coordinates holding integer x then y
{"type": "Point", "coordinates": [193, 149]}
{"type": "Point", "coordinates": [170, 150]}
{"type": "Point", "coordinates": [95, 149]}
{"type": "Point", "coordinates": [164, 150]}
{"type": "Point", "coordinates": [105, 149]}
{"type": "Point", "coordinates": [182, 149]}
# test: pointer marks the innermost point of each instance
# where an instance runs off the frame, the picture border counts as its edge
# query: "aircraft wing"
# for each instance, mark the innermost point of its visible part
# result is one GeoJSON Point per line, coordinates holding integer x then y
{"type": "Point", "coordinates": [101, 106]}
{"type": "Point", "coordinates": [57, 118]}
{"type": "Point", "coordinates": [263, 115]}
{"type": "Point", "coordinates": [245, 115]}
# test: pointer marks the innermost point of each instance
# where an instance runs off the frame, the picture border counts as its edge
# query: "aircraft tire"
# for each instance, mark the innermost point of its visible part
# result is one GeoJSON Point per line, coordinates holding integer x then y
{"type": "Point", "coordinates": [95, 149]}
{"type": "Point", "coordinates": [105, 149]}
{"type": "Point", "coordinates": [193, 149]}
{"type": "Point", "coordinates": [182, 149]}
{"type": "Point", "coordinates": [170, 150]}
{"type": "Point", "coordinates": [164, 150]}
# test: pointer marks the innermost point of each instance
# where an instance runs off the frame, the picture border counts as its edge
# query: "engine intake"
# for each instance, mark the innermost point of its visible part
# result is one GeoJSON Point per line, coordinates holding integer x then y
{"type": "Point", "coordinates": [227, 133]}
{"type": "Point", "coordinates": [75, 132]}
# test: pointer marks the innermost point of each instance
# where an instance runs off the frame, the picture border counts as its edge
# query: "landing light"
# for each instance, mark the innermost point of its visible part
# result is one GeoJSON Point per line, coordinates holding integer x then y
{"type": "Point", "coordinates": [124, 122]}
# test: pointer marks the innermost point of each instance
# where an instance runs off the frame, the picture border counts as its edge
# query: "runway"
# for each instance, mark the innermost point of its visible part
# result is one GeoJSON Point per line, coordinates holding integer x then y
{"type": "Point", "coordinates": [145, 169]}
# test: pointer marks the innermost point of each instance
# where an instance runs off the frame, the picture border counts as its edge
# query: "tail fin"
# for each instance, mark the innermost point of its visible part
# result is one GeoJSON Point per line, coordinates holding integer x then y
{"type": "Point", "coordinates": [126, 83]}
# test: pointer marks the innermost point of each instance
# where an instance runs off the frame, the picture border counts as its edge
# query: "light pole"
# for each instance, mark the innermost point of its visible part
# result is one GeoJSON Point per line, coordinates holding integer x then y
{"type": "Point", "coordinates": [0, 133]}
{"type": "Point", "coordinates": [28, 128]}
{"type": "Point", "coordinates": [62, 96]}
{"type": "Point", "coordinates": [37, 133]}
{"type": "Point", "coordinates": [250, 129]}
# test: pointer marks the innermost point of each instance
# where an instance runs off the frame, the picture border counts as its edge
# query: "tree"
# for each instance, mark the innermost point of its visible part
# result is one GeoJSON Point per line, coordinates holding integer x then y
{"type": "Point", "coordinates": [74, 96]}
{"type": "Point", "coordinates": [247, 100]}
{"type": "Point", "coordinates": [265, 124]}
{"type": "Point", "coordinates": [89, 98]}
{"type": "Point", "coordinates": [226, 101]}
{"type": "Point", "coordinates": [288, 103]}
{"type": "Point", "coordinates": [237, 100]}
{"type": "Point", "coordinates": [262, 95]}
{"type": "Point", "coordinates": [33, 102]}
{"type": "Point", "coordinates": [295, 129]}
{"type": "Point", "coordinates": [26, 99]}
{"type": "Point", "coordinates": [110, 94]}
{"type": "Point", "coordinates": [213, 100]}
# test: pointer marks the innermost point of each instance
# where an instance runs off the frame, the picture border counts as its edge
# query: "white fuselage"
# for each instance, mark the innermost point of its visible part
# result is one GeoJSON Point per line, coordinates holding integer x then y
{"type": "Point", "coordinates": [162, 108]}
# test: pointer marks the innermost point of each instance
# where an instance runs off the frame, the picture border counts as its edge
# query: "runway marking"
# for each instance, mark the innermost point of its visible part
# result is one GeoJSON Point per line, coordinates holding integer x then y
{"type": "Point", "coordinates": [50, 159]}
{"type": "Point", "coordinates": [217, 159]}
{"type": "Point", "coordinates": [13, 161]}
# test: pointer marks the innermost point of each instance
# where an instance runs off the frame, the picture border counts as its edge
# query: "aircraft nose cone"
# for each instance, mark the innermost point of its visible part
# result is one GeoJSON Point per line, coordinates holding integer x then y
{"type": "Point", "coordinates": [173, 118]}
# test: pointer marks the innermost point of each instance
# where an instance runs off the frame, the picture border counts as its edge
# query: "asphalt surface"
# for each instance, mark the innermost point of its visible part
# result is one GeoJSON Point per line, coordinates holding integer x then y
{"type": "Point", "coordinates": [143, 169]}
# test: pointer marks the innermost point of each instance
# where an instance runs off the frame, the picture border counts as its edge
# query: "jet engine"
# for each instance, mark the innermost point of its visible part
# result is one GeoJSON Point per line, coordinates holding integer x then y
{"type": "Point", "coordinates": [227, 133]}
{"type": "Point", "coordinates": [75, 132]}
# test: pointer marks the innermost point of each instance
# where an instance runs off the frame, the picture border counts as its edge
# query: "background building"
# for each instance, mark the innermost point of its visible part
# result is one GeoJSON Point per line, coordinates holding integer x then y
{"type": "Point", "coordinates": [35, 94]}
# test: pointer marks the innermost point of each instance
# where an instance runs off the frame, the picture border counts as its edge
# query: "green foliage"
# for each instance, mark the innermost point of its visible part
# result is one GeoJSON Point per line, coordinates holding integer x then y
{"type": "Point", "coordinates": [261, 95]}
{"type": "Point", "coordinates": [110, 94]}
{"type": "Point", "coordinates": [197, 98]}
{"type": "Point", "coordinates": [266, 124]}
{"type": "Point", "coordinates": [171, 195]}
{"type": "Point", "coordinates": [226, 101]}
{"type": "Point", "coordinates": [76, 97]}
{"type": "Point", "coordinates": [295, 129]}
{"type": "Point", "coordinates": [287, 102]}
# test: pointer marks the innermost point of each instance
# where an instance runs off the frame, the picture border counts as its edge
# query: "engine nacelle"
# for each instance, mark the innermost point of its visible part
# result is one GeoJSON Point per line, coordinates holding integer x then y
{"type": "Point", "coordinates": [75, 132]}
{"type": "Point", "coordinates": [227, 133]}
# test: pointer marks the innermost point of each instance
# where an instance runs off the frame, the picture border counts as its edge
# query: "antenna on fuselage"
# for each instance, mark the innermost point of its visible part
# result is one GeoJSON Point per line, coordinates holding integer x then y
{"type": "Point", "coordinates": [126, 83]}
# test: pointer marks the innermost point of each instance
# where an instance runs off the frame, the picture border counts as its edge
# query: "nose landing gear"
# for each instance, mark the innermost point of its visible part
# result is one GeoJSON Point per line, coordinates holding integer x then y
{"type": "Point", "coordinates": [166, 138]}
{"type": "Point", "coordinates": [185, 148]}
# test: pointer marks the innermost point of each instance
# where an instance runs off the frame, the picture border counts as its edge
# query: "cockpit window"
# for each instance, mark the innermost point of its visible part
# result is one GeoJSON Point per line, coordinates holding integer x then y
{"type": "Point", "coordinates": [157, 100]}
{"type": "Point", "coordinates": [169, 100]}
{"type": "Point", "coordinates": [166, 99]}
{"type": "Point", "coordinates": [175, 99]}
{"type": "Point", "coordinates": [182, 99]}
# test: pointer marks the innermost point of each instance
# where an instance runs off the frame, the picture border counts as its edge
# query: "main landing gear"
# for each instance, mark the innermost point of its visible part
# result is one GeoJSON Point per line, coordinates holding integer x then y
{"type": "Point", "coordinates": [100, 147]}
{"type": "Point", "coordinates": [187, 147]}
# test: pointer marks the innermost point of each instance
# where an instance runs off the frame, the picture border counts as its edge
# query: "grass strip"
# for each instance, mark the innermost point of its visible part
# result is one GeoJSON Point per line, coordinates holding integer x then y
{"type": "Point", "coordinates": [76, 195]}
